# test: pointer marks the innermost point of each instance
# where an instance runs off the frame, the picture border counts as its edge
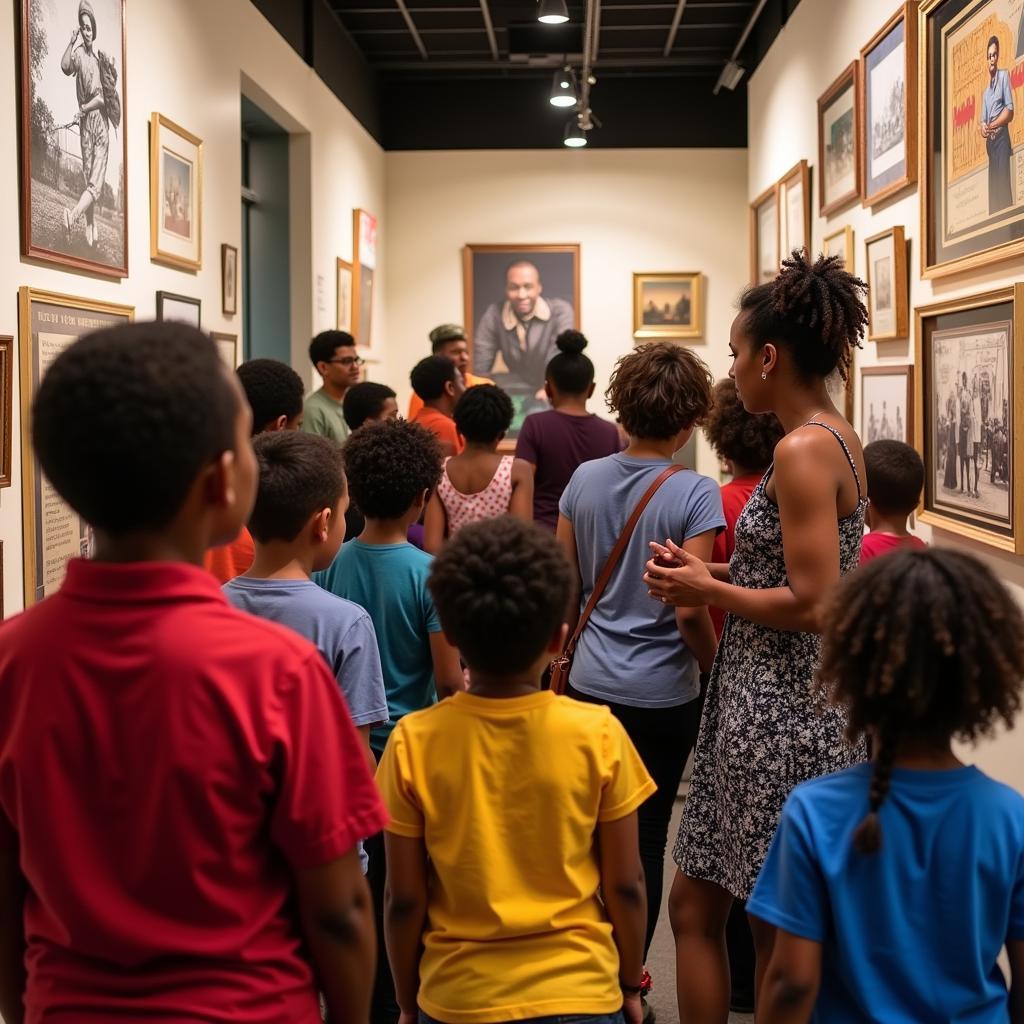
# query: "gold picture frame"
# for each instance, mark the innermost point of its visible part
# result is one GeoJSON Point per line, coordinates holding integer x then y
{"type": "Point", "coordinates": [6, 408]}
{"type": "Point", "coordinates": [175, 195]}
{"type": "Point", "coordinates": [667, 305]}
{"type": "Point", "coordinates": [845, 142]}
{"type": "Point", "coordinates": [764, 236]}
{"type": "Point", "coordinates": [840, 243]}
{"type": "Point", "coordinates": [345, 285]}
{"type": "Point", "coordinates": [227, 347]}
{"type": "Point", "coordinates": [364, 269]}
{"type": "Point", "coordinates": [794, 190]}
{"type": "Point", "coordinates": [888, 296]}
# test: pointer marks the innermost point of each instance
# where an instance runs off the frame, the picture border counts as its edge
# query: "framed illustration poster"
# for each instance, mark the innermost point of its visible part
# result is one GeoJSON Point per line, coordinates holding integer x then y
{"type": "Point", "coordinates": [228, 280]}
{"type": "Point", "coordinates": [178, 307]}
{"type": "Point", "coordinates": [887, 403]}
{"type": "Point", "coordinates": [344, 315]}
{"type": "Point", "coordinates": [364, 267]}
{"type": "Point", "coordinates": [839, 142]}
{"type": "Point", "coordinates": [175, 195]}
{"type": "Point", "coordinates": [972, 152]}
{"type": "Point", "coordinates": [840, 243]}
{"type": "Point", "coordinates": [53, 531]}
{"type": "Point", "coordinates": [968, 405]}
{"type": "Point", "coordinates": [668, 305]}
{"type": "Point", "coordinates": [6, 410]}
{"type": "Point", "coordinates": [888, 286]}
{"type": "Point", "coordinates": [74, 186]}
{"type": "Point", "coordinates": [764, 237]}
{"type": "Point", "coordinates": [795, 209]}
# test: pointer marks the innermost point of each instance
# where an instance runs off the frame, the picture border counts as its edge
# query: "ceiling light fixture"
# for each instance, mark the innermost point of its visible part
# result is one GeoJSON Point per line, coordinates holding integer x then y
{"type": "Point", "coordinates": [553, 12]}
{"type": "Point", "coordinates": [730, 76]}
{"type": "Point", "coordinates": [563, 88]}
{"type": "Point", "coordinates": [575, 137]}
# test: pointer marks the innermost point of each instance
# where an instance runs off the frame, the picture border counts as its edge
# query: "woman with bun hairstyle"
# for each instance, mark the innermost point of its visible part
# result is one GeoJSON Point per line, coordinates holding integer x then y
{"type": "Point", "coordinates": [556, 441]}
{"type": "Point", "coordinates": [765, 727]}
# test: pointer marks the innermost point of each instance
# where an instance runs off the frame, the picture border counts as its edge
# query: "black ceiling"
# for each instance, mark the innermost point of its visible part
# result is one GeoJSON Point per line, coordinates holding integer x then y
{"type": "Point", "coordinates": [475, 74]}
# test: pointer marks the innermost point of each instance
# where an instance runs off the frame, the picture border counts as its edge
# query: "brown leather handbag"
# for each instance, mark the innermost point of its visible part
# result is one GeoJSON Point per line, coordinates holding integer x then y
{"type": "Point", "coordinates": [561, 666]}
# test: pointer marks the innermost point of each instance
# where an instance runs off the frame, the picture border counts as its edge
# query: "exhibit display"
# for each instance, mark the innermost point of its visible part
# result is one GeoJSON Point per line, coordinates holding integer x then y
{"type": "Point", "coordinates": [668, 306]}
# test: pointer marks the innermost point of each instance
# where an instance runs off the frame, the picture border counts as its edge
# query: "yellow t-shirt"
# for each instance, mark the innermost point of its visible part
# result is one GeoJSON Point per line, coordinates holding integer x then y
{"type": "Point", "coordinates": [507, 795]}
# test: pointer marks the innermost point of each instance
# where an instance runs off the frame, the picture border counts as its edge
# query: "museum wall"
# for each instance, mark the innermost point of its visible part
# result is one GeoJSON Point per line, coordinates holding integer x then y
{"type": "Point", "coordinates": [821, 38]}
{"type": "Point", "coordinates": [190, 60]}
{"type": "Point", "coordinates": [630, 210]}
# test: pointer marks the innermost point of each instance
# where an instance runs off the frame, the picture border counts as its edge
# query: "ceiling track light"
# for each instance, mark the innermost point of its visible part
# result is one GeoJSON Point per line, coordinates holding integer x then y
{"type": "Point", "coordinates": [730, 76]}
{"type": "Point", "coordinates": [553, 12]}
{"type": "Point", "coordinates": [575, 137]}
{"type": "Point", "coordinates": [563, 88]}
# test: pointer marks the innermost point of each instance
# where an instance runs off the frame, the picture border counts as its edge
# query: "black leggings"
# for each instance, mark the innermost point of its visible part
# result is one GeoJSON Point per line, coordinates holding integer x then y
{"type": "Point", "coordinates": [663, 738]}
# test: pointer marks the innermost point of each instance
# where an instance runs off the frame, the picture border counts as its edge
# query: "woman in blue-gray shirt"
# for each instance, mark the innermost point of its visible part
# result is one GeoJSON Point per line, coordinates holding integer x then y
{"type": "Point", "coordinates": [996, 115]}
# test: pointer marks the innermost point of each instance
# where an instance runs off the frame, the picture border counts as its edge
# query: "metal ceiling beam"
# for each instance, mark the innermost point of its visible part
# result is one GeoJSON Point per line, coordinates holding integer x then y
{"type": "Point", "coordinates": [704, 66]}
{"type": "Point", "coordinates": [485, 10]}
{"type": "Point", "coordinates": [674, 29]}
{"type": "Point", "coordinates": [595, 45]}
{"type": "Point", "coordinates": [417, 39]}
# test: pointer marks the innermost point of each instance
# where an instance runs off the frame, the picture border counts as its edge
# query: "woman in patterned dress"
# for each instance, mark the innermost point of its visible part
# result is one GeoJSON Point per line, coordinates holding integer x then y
{"type": "Point", "coordinates": [764, 728]}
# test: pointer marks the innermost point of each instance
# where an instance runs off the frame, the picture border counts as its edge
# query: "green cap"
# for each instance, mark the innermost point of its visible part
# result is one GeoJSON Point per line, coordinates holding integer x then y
{"type": "Point", "coordinates": [447, 332]}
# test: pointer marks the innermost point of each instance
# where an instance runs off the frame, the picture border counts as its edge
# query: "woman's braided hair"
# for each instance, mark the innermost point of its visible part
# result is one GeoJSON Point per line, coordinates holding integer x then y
{"type": "Point", "coordinates": [815, 309]}
{"type": "Point", "coordinates": [925, 645]}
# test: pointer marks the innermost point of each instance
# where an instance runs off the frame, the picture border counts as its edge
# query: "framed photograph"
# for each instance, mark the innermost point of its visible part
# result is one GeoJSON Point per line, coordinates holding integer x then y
{"type": "Point", "coordinates": [344, 315]}
{"type": "Point", "coordinates": [53, 531]}
{"type": "Point", "coordinates": [968, 403]}
{"type": "Point", "coordinates": [178, 307]}
{"type": "Point", "coordinates": [795, 204]}
{"type": "Point", "coordinates": [888, 285]}
{"type": "Point", "coordinates": [517, 300]}
{"type": "Point", "coordinates": [972, 157]}
{"type": "Point", "coordinates": [227, 346]}
{"type": "Point", "coordinates": [764, 237]}
{"type": "Point", "coordinates": [175, 195]}
{"type": "Point", "coordinates": [364, 267]}
{"type": "Point", "coordinates": [6, 409]}
{"type": "Point", "coordinates": [228, 280]}
{"type": "Point", "coordinates": [74, 151]}
{"type": "Point", "coordinates": [839, 143]}
{"type": "Point", "coordinates": [668, 305]}
{"type": "Point", "coordinates": [840, 243]}
{"type": "Point", "coordinates": [887, 403]}
{"type": "Point", "coordinates": [888, 107]}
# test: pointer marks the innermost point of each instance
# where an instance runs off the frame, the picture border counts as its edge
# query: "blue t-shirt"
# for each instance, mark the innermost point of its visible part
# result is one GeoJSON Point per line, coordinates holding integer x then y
{"type": "Point", "coordinates": [910, 934]}
{"type": "Point", "coordinates": [390, 582]}
{"type": "Point", "coordinates": [631, 651]}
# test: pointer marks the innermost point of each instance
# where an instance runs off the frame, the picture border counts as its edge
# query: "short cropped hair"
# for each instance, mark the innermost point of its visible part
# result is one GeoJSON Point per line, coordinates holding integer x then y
{"type": "Point", "coordinates": [483, 414]}
{"type": "Point", "coordinates": [273, 389]}
{"type": "Point", "coordinates": [658, 390]}
{"type": "Point", "coordinates": [389, 465]}
{"type": "Point", "coordinates": [502, 588]}
{"type": "Point", "coordinates": [326, 343]}
{"type": "Point", "coordinates": [364, 401]}
{"type": "Point", "coordinates": [127, 417]}
{"type": "Point", "coordinates": [895, 476]}
{"type": "Point", "coordinates": [430, 375]}
{"type": "Point", "coordinates": [744, 438]}
{"type": "Point", "coordinates": [300, 474]}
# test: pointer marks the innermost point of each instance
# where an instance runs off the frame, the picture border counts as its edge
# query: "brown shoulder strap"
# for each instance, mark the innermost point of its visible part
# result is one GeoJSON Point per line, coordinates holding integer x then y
{"type": "Point", "coordinates": [616, 554]}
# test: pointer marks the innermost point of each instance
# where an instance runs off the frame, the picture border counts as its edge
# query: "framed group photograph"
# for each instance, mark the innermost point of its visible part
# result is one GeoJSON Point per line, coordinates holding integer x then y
{"type": "Point", "coordinates": [888, 285]}
{"type": "Point", "coordinates": [764, 237]}
{"type": "Point", "coordinates": [972, 144]}
{"type": "Point", "coordinates": [228, 280]}
{"type": "Point", "coordinates": [6, 407]}
{"type": "Point", "coordinates": [364, 267]}
{"type": "Point", "coordinates": [227, 347]}
{"type": "Point", "coordinates": [53, 531]}
{"type": "Point", "coordinates": [839, 142]}
{"type": "Point", "coordinates": [343, 272]}
{"type": "Point", "coordinates": [795, 210]}
{"type": "Point", "coordinates": [967, 412]}
{"type": "Point", "coordinates": [888, 107]}
{"type": "Point", "coordinates": [175, 195]}
{"type": "Point", "coordinates": [887, 403]}
{"type": "Point", "coordinates": [840, 243]}
{"type": "Point", "coordinates": [72, 98]}
{"type": "Point", "coordinates": [668, 305]}
{"type": "Point", "coordinates": [178, 307]}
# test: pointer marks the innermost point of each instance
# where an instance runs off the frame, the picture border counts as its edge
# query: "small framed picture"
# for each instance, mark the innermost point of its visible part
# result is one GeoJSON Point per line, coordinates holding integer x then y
{"type": "Point", "coordinates": [175, 195]}
{"type": "Point", "coordinates": [839, 143]}
{"type": "Point", "coordinates": [795, 207]}
{"type": "Point", "coordinates": [887, 403]}
{"type": "Point", "coordinates": [227, 346]}
{"type": "Point", "coordinates": [764, 236]}
{"type": "Point", "coordinates": [344, 315]}
{"type": "Point", "coordinates": [228, 280]}
{"type": "Point", "coordinates": [840, 243]}
{"type": "Point", "coordinates": [668, 305]}
{"type": "Point", "coordinates": [888, 287]}
{"type": "Point", "coordinates": [178, 307]}
{"type": "Point", "coordinates": [6, 407]}
{"type": "Point", "coordinates": [364, 268]}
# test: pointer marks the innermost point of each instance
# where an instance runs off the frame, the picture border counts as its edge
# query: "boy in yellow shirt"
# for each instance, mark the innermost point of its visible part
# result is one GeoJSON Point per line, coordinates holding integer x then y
{"type": "Point", "coordinates": [510, 809]}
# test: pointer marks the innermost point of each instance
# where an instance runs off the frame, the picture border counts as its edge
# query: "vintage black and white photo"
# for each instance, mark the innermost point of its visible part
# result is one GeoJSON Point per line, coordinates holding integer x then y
{"type": "Point", "coordinates": [888, 286]}
{"type": "Point", "coordinates": [838, 143]}
{"type": "Point", "coordinates": [886, 412]}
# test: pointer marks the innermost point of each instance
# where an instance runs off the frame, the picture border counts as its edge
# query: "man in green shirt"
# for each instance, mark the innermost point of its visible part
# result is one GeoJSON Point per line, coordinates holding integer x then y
{"type": "Point", "coordinates": [333, 353]}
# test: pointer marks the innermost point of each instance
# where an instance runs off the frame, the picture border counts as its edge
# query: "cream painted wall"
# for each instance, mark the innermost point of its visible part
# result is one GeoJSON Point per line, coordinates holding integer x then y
{"type": "Point", "coordinates": [191, 60]}
{"type": "Point", "coordinates": [821, 38]}
{"type": "Point", "coordinates": [630, 210]}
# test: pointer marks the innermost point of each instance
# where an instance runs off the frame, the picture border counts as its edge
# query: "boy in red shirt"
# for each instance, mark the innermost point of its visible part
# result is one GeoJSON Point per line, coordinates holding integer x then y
{"type": "Point", "coordinates": [181, 788]}
{"type": "Point", "coordinates": [895, 479]}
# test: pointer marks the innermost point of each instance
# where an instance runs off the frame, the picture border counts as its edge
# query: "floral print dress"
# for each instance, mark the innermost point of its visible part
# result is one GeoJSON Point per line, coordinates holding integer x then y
{"type": "Point", "coordinates": [764, 729]}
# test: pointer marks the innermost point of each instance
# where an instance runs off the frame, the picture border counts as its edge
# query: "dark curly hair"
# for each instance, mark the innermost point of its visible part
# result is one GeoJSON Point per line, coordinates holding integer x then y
{"type": "Point", "coordinates": [745, 439]}
{"type": "Point", "coordinates": [364, 401]}
{"type": "Point", "coordinates": [571, 371]}
{"type": "Point", "coordinates": [502, 588]}
{"type": "Point", "coordinates": [389, 465]}
{"type": "Point", "coordinates": [326, 343]}
{"type": "Point", "coordinates": [483, 414]}
{"type": "Point", "coordinates": [924, 644]}
{"type": "Point", "coordinates": [273, 388]}
{"type": "Point", "coordinates": [895, 475]}
{"type": "Point", "coordinates": [816, 310]}
{"type": "Point", "coordinates": [125, 419]}
{"type": "Point", "coordinates": [658, 390]}
{"type": "Point", "coordinates": [430, 375]}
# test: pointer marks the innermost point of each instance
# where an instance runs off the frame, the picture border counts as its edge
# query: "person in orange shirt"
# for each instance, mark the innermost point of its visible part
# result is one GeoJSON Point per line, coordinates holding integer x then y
{"type": "Point", "coordinates": [439, 385]}
{"type": "Point", "coordinates": [275, 392]}
{"type": "Point", "coordinates": [449, 340]}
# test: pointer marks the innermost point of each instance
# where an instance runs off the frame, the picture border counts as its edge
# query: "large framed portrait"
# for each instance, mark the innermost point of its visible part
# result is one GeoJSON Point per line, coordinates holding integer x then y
{"type": "Point", "coordinates": [175, 195]}
{"type": "Point", "coordinates": [972, 145]}
{"type": "Point", "coordinates": [517, 300]}
{"type": "Point", "coordinates": [888, 285]}
{"type": "Point", "coordinates": [343, 272]}
{"type": "Point", "coordinates": [888, 107]}
{"type": "Point", "coordinates": [839, 142]}
{"type": "Point", "coordinates": [668, 305]}
{"type": "Point", "coordinates": [764, 236]}
{"type": "Point", "coordinates": [840, 243]}
{"type": "Point", "coordinates": [73, 98]}
{"type": "Point", "coordinates": [887, 403]}
{"type": "Point", "coordinates": [968, 405]}
{"type": "Point", "coordinates": [53, 531]}
{"type": "Point", "coordinates": [178, 307]}
{"type": "Point", "coordinates": [364, 267]}
{"type": "Point", "coordinates": [6, 407]}
{"type": "Point", "coordinates": [795, 209]}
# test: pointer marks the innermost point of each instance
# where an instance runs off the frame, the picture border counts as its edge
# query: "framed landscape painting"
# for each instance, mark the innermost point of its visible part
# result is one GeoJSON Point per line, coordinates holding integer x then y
{"type": "Point", "coordinates": [888, 286]}
{"type": "Point", "coordinates": [839, 142]}
{"type": "Point", "coordinates": [887, 403]}
{"type": "Point", "coordinates": [668, 306]}
{"type": "Point", "coordinates": [175, 195]}
{"type": "Point", "coordinates": [764, 236]}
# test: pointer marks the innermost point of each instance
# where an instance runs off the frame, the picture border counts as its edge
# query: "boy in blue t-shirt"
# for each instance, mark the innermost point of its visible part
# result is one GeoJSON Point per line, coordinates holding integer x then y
{"type": "Point", "coordinates": [895, 885]}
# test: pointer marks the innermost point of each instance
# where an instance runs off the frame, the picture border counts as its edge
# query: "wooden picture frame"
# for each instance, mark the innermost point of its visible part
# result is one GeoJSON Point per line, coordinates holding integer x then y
{"type": "Point", "coordinates": [898, 426]}
{"type": "Point", "coordinates": [182, 308]}
{"type": "Point", "coordinates": [970, 367]}
{"type": "Point", "coordinates": [345, 288]}
{"type": "Point", "coordinates": [227, 348]}
{"type": "Point", "coordinates": [764, 236]}
{"type": "Point", "coordinates": [364, 268]}
{"type": "Point", "coordinates": [6, 408]}
{"type": "Point", "coordinates": [839, 142]}
{"type": "Point", "coordinates": [887, 320]}
{"type": "Point", "coordinates": [175, 195]}
{"type": "Point", "coordinates": [667, 305]}
{"type": "Point", "coordinates": [228, 279]}
{"type": "Point", "coordinates": [794, 189]}
{"type": "Point", "coordinates": [840, 243]}
{"type": "Point", "coordinates": [888, 67]}
{"type": "Point", "coordinates": [53, 532]}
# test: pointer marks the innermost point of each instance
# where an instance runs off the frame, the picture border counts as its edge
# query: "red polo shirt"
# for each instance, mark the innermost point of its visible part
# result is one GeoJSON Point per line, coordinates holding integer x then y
{"type": "Point", "coordinates": [165, 762]}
